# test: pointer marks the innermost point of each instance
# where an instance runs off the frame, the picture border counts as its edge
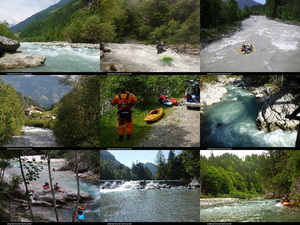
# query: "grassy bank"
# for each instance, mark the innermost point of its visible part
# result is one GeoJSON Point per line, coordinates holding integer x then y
{"type": "Point", "coordinates": [109, 127]}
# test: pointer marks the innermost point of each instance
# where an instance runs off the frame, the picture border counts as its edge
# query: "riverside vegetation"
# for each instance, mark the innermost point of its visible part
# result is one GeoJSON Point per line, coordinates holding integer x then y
{"type": "Point", "coordinates": [147, 89]}
{"type": "Point", "coordinates": [271, 175]}
{"type": "Point", "coordinates": [77, 113]}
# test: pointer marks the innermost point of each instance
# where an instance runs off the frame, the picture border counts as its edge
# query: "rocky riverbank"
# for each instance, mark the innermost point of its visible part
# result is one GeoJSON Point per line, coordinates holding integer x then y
{"type": "Point", "coordinates": [10, 58]}
{"type": "Point", "coordinates": [85, 169]}
{"type": "Point", "coordinates": [216, 201]}
{"type": "Point", "coordinates": [212, 93]}
{"type": "Point", "coordinates": [227, 34]}
{"type": "Point", "coordinates": [69, 44]}
{"type": "Point", "coordinates": [276, 102]}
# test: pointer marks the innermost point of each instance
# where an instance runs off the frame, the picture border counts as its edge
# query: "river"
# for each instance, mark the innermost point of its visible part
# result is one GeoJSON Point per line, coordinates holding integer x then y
{"type": "Point", "coordinates": [33, 137]}
{"type": "Point", "coordinates": [255, 210]}
{"type": "Point", "coordinates": [144, 58]}
{"type": "Point", "coordinates": [277, 49]}
{"type": "Point", "coordinates": [67, 180]}
{"type": "Point", "coordinates": [61, 59]}
{"type": "Point", "coordinates": [237, 115]}
{"type": "Point", "coordinates": [124, 204]}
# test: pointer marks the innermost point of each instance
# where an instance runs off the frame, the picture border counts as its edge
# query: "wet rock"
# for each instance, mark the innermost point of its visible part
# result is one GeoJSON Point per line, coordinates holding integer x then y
{"type": "Point", "coordinates": [219, 125]}
{"type": "Point", "coordinates": [101, 54]}
{"type": "Point", "coordinates": [8, 44]}
{"type": "Point", "coordinates": [20, 60]}
{"type": "Point", "coordinates": [118, 68]}
{"type": "Point", "coordinates": [273, 111]}
{"type": "Point", "coordinates": [269, 195]}
{"type": "Point", "coordinates": [185, 49]}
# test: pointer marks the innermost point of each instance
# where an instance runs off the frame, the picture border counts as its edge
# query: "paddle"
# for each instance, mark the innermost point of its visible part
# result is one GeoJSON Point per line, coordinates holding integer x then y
{"type": "Point", "coordinates": [278, 200]}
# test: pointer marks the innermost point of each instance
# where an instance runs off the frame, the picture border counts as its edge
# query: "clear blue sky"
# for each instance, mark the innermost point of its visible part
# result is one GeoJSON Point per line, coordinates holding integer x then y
{"type": "Point", "coordinates": [126, 157]}
{"type": "Point", "coordinates": [261, 1]}
{"type": "Point", "coordinates": [15, 11]}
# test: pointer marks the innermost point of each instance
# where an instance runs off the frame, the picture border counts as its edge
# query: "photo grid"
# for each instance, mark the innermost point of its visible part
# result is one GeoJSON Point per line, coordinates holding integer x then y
{"type": "Point", "coordinates": [100, 111]}
{"type": "Point", "coordinates": [249, 112]}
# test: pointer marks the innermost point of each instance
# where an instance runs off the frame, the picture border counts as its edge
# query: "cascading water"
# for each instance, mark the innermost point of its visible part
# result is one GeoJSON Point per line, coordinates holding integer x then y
{"type": "Point", "coordinates": [33, 137]}
{"type": "Point", "coordinates": [62, 59]}
{"type": "Point", "coordinates": [144, 58]}
{"type": "Point", "coordinates": [232, 123]}
{"type": "Point", "coordinates": [276, 44]}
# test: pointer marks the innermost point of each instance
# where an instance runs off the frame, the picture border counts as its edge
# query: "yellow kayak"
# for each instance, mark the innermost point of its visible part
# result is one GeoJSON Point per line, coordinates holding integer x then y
{"type": "Point", "coordinates": [154, 115]}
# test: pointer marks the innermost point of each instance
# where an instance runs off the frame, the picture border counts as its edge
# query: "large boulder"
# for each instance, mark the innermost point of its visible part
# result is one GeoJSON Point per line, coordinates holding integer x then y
{"type": "Point", "coordinates": [19, 60]}
{"type": "Point", "coordinates": [8, 44]}
{"type": "Point", "coordinates": [273, 111]}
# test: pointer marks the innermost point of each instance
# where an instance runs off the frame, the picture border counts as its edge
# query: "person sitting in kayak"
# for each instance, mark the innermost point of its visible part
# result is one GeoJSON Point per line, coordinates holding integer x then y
{"type": "Point", "coordinates": [46, 184]}
{"type": "Point", "coordinates": [285, 199]}
{"type": "Point", "coordinates": [53, 169]}
{"type": "Point", "coordinates": [56, 188]}
{"type": "Point", "coordinates": [160, 47]}
{"type": "Point", "coordinates": [80, 210]}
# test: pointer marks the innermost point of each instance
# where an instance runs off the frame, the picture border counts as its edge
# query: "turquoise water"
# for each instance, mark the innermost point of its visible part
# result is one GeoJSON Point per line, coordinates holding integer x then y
{"type": "Point", "coordinates": [250, 211]}
{"type": "Point", "coordinates": [162, 205]}
{"type": "Point", "coordinates": [236, 116]}
{"type": "Point", "coordinates": [66, 180]}
{"type": "Point", "coordinates": [62, 59]}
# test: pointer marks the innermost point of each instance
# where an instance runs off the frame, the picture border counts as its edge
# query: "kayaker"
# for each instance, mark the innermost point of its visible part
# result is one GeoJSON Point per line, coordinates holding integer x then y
{"type": "Point", "coordinates": [56, 188]}
{"type": "Point", "coordinates": [160, 47]}
{"type": "Point", "coordinates": [124, 102]}
{"type": "Point", "coordinates": [53, 169]}
{"type": "Point", "coordinates": [46, 184]}
{"type": "Point", "coordinates": [285, 198]}
{"type": "Point", "coordinates": [80, 210]}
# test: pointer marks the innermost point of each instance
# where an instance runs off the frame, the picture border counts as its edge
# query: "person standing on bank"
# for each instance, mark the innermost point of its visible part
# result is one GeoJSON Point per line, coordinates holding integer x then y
{"type": "Point", "coordinates": [124, 102]}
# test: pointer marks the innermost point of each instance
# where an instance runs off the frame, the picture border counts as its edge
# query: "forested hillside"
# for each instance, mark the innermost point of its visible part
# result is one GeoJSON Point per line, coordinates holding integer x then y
{"type": "Point", "coordinates": [186, 165]}
{"type": "Point", "coordinates": [11, 112]}
{"type": "Point", "coordinates": [217, 16]}
{"type": "Point", "coordinates": [283, 9]}
{"type": "Point", "coordinates": [44, 89]}
{"type": "Point", "coordinates": [171, 21]}
{"type": "Point", "coordinates": [175, 22]}
{"type": "Point", "coordinates": [230, 176]}
{"type": "Point", "coordinates": [39, 16]}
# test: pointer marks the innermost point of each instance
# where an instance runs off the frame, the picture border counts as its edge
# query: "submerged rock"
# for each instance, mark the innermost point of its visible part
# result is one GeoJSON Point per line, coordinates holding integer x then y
{"type": "Point", "coordinates": [8, 44]}
{"type": "Point", "coordinates": [19, 60]}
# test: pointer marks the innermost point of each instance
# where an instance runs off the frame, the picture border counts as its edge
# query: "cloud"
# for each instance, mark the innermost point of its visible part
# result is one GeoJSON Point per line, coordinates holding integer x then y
{"type": "Point", "coordinates": [15, 11]}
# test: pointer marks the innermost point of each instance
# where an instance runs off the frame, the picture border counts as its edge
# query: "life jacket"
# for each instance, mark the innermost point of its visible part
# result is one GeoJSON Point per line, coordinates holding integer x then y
{"type": "Point", "coordinates": [124, 104]}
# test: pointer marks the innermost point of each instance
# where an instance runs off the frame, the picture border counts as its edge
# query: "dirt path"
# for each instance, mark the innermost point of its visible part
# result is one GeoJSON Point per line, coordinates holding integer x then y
{"type": "Point", "coordinates": [179, 127]}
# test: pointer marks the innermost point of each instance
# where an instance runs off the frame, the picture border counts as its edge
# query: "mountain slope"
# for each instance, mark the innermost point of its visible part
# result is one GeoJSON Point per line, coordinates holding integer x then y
{"type": "Point", "coordinates": [38, 16]}
{"type": "Point", "coordinates": [249, 3]}
{"type": "Point", "coordinates": [45, 89]}
{"type": "Point", "coordinates": [105, 155]}
{"type": "Point", "coordinates": [152, 167]}
{"type": "Point", "coordinates": [243, 3]}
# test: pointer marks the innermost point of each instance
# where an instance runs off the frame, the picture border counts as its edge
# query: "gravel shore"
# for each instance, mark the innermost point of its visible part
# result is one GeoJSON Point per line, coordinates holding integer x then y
{"type": "Point", "coordinates": [216, 201]}
{"type": "Point", "coordinates": [179, 128]}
